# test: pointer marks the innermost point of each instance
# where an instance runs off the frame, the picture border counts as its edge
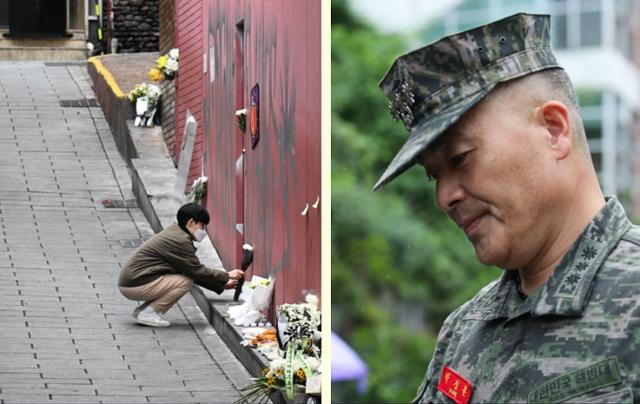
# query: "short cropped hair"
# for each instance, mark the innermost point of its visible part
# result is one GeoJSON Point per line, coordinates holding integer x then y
{"type": "Point", "coordinates": [192, 211]}
{"type": "Point", "coordinates": [552, 84]}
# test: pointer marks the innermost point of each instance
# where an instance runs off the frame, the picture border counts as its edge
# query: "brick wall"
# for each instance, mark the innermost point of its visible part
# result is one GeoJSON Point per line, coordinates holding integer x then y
{"type": "Point", "coordinates": [167, 100]}
{"type": "Point", "coordinates": [189, 83]}
{"type": "Point", "coordinates": [167, 25]}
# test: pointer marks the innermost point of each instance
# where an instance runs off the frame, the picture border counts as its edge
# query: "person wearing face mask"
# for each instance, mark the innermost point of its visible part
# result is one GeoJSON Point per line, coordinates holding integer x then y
{"type": "Point", "coordinates": [164, 268]}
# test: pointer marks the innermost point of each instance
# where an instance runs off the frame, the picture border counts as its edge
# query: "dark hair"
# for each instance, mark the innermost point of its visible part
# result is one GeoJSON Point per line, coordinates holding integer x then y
{"type": "Point", "coordinates": [556, 84]}
{"type": "Point", "coordinates": [192, 211]}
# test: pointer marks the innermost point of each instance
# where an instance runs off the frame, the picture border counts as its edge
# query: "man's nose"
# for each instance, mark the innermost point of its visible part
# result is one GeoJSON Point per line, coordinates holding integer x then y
{"type": "Point", "coordinates": [449, 192]}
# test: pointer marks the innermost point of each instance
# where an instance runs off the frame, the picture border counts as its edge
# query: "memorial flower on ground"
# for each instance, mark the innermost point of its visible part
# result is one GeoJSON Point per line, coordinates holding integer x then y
{"type": "Point", "coordinates": [301, 314]}
{"type": "Point", "coordinates": [301, 360]}
{"type": "Point", "coordinates": [155, 75]}
{"type": "Point", "coordinates": [198, 189]}
{"type": "Point", "coordinates": [166, 65]}
{"type": "Point", "coordinates": [140, 90]}
{"type": "Point", "coordinates": [145, 97]}
{"type": "Point", "coordinates": [274, 378]}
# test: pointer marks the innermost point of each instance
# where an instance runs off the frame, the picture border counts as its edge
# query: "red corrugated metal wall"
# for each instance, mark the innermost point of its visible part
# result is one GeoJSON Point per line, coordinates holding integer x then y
{"type": "Point", "coordinates": [275, 44]}
{"type": "Point", "coordinates": [189, 82]}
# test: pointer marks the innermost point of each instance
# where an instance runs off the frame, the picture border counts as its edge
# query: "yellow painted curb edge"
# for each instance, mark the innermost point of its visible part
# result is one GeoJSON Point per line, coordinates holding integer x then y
{"type": "Point", "coordinates": [111, 82]}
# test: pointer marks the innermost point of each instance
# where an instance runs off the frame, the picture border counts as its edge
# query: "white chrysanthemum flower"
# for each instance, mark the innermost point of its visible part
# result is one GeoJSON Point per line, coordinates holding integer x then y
{"type": "Point", "coordinates": [313, 363]}
{"type": "Point", "coordinates": [312, 300]}
{"type": "Point", "coordinates": [171, 66]}
{"type": "Point", "coordinates": [174, 53]}
{"type": "Point", "coordinates": [153, 91]}
{"type": "Point", "coordinates": [277, 364]}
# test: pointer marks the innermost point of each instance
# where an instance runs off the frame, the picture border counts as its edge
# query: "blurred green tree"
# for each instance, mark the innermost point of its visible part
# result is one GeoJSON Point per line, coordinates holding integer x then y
{"type": "Point", "coordinates": [399, 266]}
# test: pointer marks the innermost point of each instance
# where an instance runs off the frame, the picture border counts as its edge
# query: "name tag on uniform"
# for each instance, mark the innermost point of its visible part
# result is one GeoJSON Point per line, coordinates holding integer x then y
{"type": "Point", "coordinates": [580, 381]}
{"type": "Point", "coordinates": [455, 386]}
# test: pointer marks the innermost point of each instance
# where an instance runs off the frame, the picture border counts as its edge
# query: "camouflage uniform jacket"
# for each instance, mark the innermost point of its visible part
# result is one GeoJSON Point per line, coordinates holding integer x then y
{"type": "Point", "coordinates": [576, 338]}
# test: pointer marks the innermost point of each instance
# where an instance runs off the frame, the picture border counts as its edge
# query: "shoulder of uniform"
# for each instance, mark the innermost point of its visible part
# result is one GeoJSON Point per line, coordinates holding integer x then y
{"type": "Point", "coordinates": [486, 296]}
{"type": "Point", "coordinates": [481, 299]}
{"type": "Point", "coordinates": [622, 267]}
{"type": "Point", "coordinates": [633, 235]}
{"type": "Point", "coordinates": [626, 254]}
{"type": "Point", "coordinates": [489, 291]}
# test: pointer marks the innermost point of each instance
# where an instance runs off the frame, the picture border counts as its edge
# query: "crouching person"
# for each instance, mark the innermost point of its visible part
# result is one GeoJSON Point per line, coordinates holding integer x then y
{"type": "Point", "coordinates": [164, 268]}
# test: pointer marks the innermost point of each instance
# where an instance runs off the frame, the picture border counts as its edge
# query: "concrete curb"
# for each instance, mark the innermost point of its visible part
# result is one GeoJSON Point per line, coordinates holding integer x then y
{"type": "Point", "coordinates": [116, 107]}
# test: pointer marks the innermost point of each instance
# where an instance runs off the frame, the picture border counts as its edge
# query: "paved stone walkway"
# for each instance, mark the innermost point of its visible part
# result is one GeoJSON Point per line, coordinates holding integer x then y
{"type": "Point", "coordinates": [66, 334]}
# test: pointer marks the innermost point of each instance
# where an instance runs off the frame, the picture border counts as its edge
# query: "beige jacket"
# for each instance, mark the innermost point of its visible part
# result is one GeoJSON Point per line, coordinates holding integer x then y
{"type": "Point", "coordinates": [170, 252]}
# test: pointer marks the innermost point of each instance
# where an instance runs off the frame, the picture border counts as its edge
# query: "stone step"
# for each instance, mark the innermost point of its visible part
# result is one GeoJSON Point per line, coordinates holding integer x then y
{"type": "Point", "coordinates": [43, 48]}
{"type": "Point", "coordinates": [42, 53]}
{"type": "Point", "coordinates": [43, 43]}
{"type": "Point", "coordinates": [75, 41]}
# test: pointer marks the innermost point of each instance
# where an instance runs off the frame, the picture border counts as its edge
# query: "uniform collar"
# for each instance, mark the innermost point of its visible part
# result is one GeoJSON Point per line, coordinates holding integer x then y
{"type": "Point", "coordinates": [567, 291]}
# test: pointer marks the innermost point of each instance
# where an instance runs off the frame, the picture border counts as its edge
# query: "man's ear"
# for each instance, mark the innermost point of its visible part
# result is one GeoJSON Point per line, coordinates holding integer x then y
{"type": "Point", "coordinates": [553, 116]}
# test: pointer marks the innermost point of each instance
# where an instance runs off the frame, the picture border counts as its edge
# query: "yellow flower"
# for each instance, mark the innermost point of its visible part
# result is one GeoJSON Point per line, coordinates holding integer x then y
{"type": "Point", "coordinates": [300, 374]}
{"type": "Point", "coordinates": [162, 61]}
{"type": "Point", "coordinates": [265, 370]}
{"type": "Point", "coordinates": [271, 380]}
{"type": "Point", "coordinates": [155, 75]}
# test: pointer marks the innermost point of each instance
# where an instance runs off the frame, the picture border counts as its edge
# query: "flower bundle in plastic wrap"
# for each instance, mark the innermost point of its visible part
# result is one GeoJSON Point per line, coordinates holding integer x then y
{"type": "Point", "coordinates": [166, 66]}
{"type": "Point", "coordinates": [256, 296]}
{"type": "Point", "coordinates": [146, 98]}
{"type": "Point", "coordinates": [198, 189]}
{"type": "Point", "coordinates": [298, 371]}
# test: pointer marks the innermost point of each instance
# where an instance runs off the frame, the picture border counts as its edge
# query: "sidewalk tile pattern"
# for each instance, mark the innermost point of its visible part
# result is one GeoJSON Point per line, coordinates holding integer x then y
{"type": "Point", "coordinates": [66, 332]}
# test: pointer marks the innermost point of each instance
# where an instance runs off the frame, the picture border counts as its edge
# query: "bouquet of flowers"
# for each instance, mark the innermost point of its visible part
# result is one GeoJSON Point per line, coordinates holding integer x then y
{"type": "Point", "coordinates": [300, 323]}
{"type": "Point", "coordinates": [140, 90]}
{"type": "Point", "coordinates": [198, 189]}
{"type": "Point", "coordinates": [166, 66]}
{"type": "Point", "coordinates": [241, 116]}
{"type": "Point", "coordinates": [256, 296]}
{"type": "Point", "coordinates": [145, 97]}
{"type": "Point", "coordinates": [274, 378]}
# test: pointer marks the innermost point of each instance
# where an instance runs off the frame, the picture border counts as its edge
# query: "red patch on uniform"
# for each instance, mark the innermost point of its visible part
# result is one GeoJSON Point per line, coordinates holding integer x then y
{"type": "Point", "coordinates": [455, 386]}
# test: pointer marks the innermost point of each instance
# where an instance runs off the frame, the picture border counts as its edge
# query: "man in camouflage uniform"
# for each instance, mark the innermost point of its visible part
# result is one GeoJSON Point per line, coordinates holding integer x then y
{"type": "Point", "coordinates": [494, 121]}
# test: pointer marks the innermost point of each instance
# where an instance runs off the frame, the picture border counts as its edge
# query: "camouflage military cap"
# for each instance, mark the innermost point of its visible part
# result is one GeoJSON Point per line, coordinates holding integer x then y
{"type": "Point", "coordinates": [430, 88]}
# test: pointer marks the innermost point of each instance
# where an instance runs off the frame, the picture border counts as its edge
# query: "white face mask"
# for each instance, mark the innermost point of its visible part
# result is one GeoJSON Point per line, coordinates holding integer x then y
{"type": "Point", "coordinates": [199, 235]}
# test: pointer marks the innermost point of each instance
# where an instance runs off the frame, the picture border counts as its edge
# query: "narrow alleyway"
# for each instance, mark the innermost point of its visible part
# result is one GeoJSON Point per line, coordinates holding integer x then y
{"type": "Point", "coordinates": [66, 333]}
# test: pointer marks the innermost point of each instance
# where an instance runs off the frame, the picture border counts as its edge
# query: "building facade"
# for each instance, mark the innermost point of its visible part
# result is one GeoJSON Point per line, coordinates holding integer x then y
{"type": "Point", "coordinates": [189, 85]}
{"type": "Point", "coordinates": [596, 41]}
{"type": "Point", "coordinates": [264, 178]}
{"type": "Point", "coordinates": [265, 57]}
{"type": "Point", "coordinates": [46, 29]}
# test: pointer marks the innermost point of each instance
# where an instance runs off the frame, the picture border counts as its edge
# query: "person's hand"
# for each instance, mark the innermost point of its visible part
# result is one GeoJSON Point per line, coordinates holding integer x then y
{"type": "Point", "coordinates": [234, 276]}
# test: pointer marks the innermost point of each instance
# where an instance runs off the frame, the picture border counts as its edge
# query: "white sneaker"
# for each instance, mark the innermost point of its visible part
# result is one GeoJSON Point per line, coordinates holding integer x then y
{"type": "Point", "coordinates": [152, 319]}
{"type": "Point", "coordinates": [138, 309]}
